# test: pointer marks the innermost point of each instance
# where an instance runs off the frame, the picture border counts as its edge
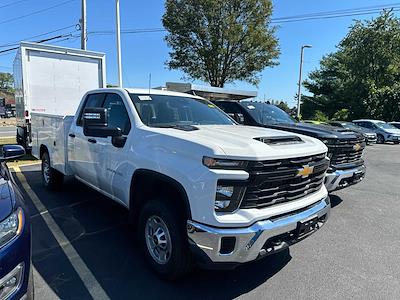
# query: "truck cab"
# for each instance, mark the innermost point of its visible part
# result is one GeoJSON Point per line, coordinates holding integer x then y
{"type": "Point", "coordinates": [345, 147]}
{"type": "Point", "coordinates": [198, 186]}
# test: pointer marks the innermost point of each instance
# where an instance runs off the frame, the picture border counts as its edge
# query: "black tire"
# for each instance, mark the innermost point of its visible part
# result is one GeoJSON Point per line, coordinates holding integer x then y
{"type": "Point", "coordinates": [179, 262]}
{"type": "Point", "coordinates": [51, 178]}
{"type": "Point", "coordinates": [397, 143]}
{"type": "Point", "coordinates": [380, 139]}
{"type": "Point", "coordinates": [30, 292]}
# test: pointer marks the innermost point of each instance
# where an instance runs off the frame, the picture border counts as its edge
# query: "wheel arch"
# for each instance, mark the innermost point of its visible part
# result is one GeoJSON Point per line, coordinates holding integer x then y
{"type": "Point", "coordinates": [142, 189]}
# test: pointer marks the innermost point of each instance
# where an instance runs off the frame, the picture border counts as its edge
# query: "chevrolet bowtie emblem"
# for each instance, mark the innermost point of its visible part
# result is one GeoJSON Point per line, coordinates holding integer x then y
{"type": "Point", "coordinates": [357, 147]}
{"type": "Point", "coordinates": [305, 171]}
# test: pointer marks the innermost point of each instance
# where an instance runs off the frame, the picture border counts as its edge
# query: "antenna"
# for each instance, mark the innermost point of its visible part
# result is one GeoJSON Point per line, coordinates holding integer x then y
{"type": "Point", "coordinates": [149, 83]}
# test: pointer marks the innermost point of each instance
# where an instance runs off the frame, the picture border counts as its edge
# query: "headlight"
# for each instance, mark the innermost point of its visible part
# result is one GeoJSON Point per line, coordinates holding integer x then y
{"type": "Point", "coordinates": [227, 164]}
{"type": "Point", "coordinates": [11, 227]}
{"type": "Point", "coordinates": [329, 142]}
{"type": "Point", "coordinates": [228, 196]}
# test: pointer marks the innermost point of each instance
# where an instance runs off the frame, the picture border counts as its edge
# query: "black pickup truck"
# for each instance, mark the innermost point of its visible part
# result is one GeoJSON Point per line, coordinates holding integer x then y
{"type": "Point", "coordinates": [345, 147]}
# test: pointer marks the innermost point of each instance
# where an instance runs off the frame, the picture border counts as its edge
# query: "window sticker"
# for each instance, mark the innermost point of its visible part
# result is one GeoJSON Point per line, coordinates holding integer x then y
{"type": "Point", "coordinates": [144, 98]}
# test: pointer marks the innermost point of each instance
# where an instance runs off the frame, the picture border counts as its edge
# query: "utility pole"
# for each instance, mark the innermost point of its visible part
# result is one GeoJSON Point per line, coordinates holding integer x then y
{"type": "Point", "coordinates": [83, 26]}
{"type": "Point", "coordinates": [118, 31]}
{"type": "Point", "coordinates": [300, 79]}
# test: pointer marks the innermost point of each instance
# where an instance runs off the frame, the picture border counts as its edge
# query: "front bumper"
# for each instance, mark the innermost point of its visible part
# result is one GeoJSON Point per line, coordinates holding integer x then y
{"type": "Point", "coordinates": [393, 138]}
{"type": "Point", "coordinates": [250, 243]}
{"type": "Point", "coordinates": [340, 179]}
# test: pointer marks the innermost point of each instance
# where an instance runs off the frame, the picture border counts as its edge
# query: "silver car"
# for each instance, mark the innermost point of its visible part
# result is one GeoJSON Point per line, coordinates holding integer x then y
{"type": "Point", "coordinates": [385, 132]}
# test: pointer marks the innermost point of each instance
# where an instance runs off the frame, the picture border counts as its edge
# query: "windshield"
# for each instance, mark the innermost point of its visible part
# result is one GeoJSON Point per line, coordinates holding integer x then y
{"type": "Point", "coordinates": [170, 111]}
{"type": "Point", "coordinates": [384, 125]}
{"type": "Point", "coordinates": [267, 114]}
{"type": "Point", "coordinates": [351, 126]}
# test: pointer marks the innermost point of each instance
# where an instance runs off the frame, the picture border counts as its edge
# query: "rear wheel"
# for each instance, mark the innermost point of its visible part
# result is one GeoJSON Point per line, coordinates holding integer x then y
{"type": "Point", "coordinates": [380, 139]}
{"type": "Point", "coordinates": [164, 239]}
{"type": "Point", "coordinates": [51, 178]}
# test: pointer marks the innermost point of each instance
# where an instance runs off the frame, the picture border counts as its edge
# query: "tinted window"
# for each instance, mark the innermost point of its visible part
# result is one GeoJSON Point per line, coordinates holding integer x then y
{"type": "Point", "coordinates": [168, 111]}
{"type": "Point", "coordinates": [117, 114]}
{"type": "Point", "coordinates": [92, 100]}
{"type": "Point", "coordinates": [267, 114]}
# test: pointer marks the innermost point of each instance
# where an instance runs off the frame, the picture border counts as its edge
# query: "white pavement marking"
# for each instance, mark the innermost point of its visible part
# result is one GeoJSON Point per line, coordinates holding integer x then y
{"type": "Point", "coordinates": [87, 277]}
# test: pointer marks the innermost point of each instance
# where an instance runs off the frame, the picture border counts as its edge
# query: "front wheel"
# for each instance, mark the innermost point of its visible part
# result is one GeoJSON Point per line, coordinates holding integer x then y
{"type": "Point", "coordinates": [51, 178]}
{"type": "Point", "coordinates": [162, 230]}
{"type": "Point", "coordinates": [380, 139]}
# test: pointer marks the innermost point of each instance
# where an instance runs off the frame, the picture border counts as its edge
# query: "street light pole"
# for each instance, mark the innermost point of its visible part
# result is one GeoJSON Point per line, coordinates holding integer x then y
{"type": "Point", "coordinates": [300, 79]}
{"type": "Point", "coordinates": [118, 31]}
{"type": "Point", "coordinates": [83, 26]}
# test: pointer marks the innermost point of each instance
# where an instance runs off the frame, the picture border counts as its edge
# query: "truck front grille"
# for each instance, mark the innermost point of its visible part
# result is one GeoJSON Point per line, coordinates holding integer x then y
{"type": "Point", "coordinates": [279, 181]}
{"type": "Point", "coordinates": [347, 152]}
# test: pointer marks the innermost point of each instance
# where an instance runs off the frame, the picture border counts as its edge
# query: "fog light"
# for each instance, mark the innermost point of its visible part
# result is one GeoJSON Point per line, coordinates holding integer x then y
{"type": "Point", "coordinates": [219, 204]}
{"type": "Point", "coordinates": [10, 283]}
{"type": "Point", "coordinates": [226, 191]}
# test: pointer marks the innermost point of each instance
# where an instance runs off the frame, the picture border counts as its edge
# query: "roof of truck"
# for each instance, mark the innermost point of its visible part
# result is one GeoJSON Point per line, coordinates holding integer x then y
{"type": "Point", "coordinates": [148, 92]}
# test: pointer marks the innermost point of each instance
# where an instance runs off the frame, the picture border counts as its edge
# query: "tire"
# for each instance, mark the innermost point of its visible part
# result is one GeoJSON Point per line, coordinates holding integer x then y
{"type": "Point", "coordinates": [380, 139]}
{"type": "Point", "coordinates": [163, 218]}
{"type": "Point", "coordinates": [397, 143]}
{"type": "Point", "coordinates": [30, 292]}
{"type": "Point", "coordinates": [51, 178]}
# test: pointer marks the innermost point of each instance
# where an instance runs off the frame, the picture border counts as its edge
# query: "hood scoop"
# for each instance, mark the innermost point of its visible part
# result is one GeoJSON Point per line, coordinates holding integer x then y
{"type": "Point", "coordinates": [185, 127]}
{"type": "Point", "coordinates": [280, 140]}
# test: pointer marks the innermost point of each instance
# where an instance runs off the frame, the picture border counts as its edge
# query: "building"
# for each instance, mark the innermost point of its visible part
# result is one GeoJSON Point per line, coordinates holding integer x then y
{"type": "Point", "coordinates": [209, 92]}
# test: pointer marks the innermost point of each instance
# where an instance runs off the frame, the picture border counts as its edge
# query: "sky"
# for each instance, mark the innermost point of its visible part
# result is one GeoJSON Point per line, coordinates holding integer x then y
{"type": "Point", "coordinates": [146, 53]}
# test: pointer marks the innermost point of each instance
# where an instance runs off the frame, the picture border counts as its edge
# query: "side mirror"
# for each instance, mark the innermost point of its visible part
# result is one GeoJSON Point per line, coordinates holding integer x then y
{"type": "Point", "coordinates": [12, 152]}
{"type": "Point", "coordinates": [95, 123]}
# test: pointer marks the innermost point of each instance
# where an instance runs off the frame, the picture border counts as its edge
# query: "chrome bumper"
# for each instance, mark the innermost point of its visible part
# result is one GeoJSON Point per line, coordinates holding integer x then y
{"type": "Point", "coordinates": [261, 239]}
{"type": "Point", "coordinates": [344, 178]}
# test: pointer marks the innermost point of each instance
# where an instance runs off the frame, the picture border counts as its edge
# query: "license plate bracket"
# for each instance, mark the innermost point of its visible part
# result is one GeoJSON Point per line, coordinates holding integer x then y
{"type": "Point", "coordinates": [306, 226]}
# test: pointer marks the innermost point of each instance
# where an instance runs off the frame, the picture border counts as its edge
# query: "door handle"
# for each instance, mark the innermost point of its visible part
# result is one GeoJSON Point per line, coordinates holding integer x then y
{"type": "Point", "coordinates": [71, 135]}
{"type": "Point", "coordinates": [93, 141]}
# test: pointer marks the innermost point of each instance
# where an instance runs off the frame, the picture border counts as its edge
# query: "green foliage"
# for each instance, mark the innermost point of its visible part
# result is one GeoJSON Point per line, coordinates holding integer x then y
{"type": "Point", "coordinates": [6, 82]}
{"type": "Point", "coordinates": [362, 75]}
{"type": "Point", "coordinates": [341, 115]}
{"type": "Point", "coordinates": [220, 41]}
{"type": "Point", "coordinates": [284, 106]}
{"type": "Point", "coordinates": [320, 116]}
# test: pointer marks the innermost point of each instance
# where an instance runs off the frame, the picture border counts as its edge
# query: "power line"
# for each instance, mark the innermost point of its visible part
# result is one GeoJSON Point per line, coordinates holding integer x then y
{"type": "Point", "coordinates": [12, 3]}
{"type": "Point", "coordinates": [296, 18]}
{"type": "Point", "coordinates": [41, 41]}
{"type": "Point", "coordinates": [36, 12]}
{"type": "Point", "coordinates": [38, 35]}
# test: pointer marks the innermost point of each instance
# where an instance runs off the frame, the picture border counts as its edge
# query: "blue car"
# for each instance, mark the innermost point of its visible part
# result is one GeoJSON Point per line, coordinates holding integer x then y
{"type": "Point", "coordinates": [16, 280]}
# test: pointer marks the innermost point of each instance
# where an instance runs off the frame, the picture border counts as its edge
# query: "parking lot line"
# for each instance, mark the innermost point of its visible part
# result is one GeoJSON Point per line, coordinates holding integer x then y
{"type": "Point", "coordinates": [93, 286]}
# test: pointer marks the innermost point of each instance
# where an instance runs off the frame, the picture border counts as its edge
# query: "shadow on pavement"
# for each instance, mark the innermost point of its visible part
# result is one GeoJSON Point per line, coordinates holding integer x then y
{"type": "Point", "coordinates": [335, 200]}
{"type": "Point", "coordinates": [97, 228]}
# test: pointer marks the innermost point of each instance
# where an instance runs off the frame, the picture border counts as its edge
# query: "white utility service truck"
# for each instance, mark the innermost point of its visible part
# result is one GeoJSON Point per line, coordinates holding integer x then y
{"type": "Point", "coordinates": [70, 73]}
{"type": "Point", "coordinates": [199, 187]}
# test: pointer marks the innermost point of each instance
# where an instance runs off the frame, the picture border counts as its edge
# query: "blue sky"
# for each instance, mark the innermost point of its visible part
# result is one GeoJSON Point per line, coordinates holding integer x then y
{"type": "Point", "coordinates": [145, 53]}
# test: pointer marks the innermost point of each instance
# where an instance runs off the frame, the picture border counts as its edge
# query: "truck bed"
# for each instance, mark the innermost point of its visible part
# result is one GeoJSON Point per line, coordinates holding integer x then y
{"type": "Point", "coordinates": [52, 131]}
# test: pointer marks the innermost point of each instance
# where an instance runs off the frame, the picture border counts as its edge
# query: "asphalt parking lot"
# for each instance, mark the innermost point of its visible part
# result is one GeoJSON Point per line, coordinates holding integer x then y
{"type": "Point", "coordinates": [88, 251]}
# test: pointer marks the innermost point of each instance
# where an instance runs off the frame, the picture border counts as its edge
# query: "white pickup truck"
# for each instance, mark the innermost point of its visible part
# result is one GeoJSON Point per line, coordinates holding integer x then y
{"type": "Point", "coordinates": [199, 187]}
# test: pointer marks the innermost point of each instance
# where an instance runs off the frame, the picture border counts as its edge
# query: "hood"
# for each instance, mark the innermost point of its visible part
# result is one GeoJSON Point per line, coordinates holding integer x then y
{"type": "Point", "coordinates": [393, 131]}
{"type": "Point", "coordinates": [364, 130]}
{"type": "Point", "coordinates": [6, 203]}
{"type": "Point", "coordinates": [318, 131]}
{"type": "Point", "coordinates": [241, 142]}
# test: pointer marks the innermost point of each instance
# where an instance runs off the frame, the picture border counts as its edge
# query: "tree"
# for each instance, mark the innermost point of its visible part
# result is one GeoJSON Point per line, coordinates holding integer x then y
{"type": "Point", "coordinates": [220, 41]}
{"type": "Point", "coordinates": [341, 115]}
{"type": "Point", "coordinates": [320, 116]}
{"type": "Point", "coordinates": [6, 82]}
{"type": "Point", "coordinates": [363, 74]}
